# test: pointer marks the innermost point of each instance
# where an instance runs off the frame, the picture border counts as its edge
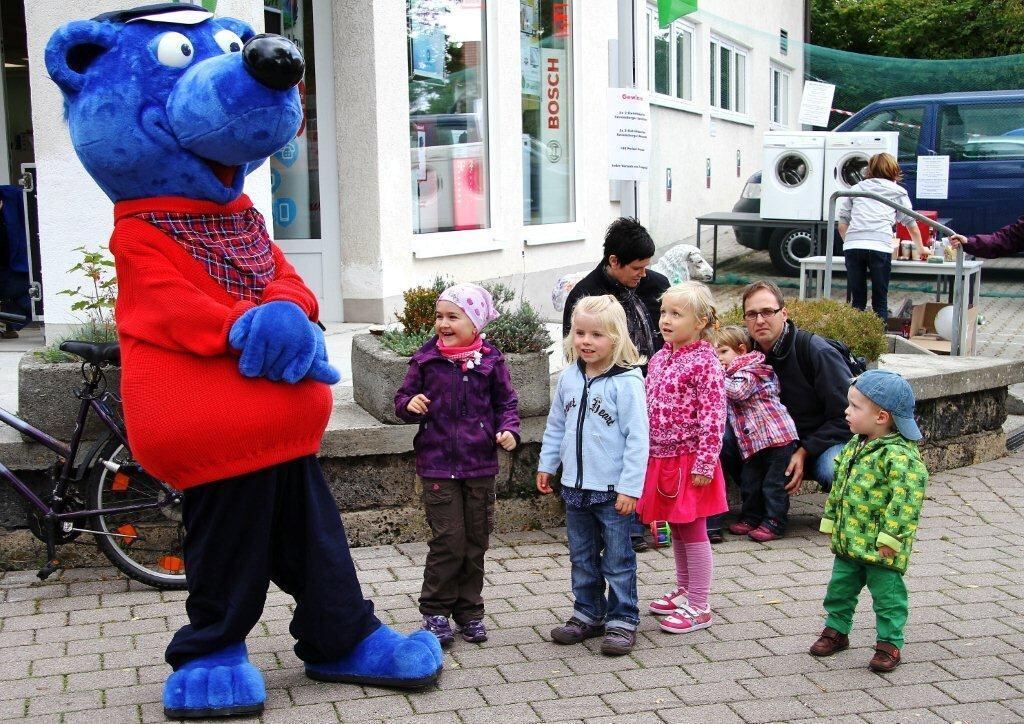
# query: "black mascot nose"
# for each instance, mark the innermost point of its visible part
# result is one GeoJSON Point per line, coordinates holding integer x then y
{"type": "Point", "coordinates": [274, 61]}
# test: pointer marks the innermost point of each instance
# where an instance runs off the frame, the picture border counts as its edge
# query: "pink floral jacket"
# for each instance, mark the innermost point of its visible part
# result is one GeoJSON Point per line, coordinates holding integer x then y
{"type": "Point", "coordinates": [686, 404]}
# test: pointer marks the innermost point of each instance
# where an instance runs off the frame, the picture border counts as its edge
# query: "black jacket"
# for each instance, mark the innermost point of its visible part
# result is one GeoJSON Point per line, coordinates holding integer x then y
{"type": "Point", "coordinates": [818, 406]}
{"type": "Point", "coordinates": [598, 282]}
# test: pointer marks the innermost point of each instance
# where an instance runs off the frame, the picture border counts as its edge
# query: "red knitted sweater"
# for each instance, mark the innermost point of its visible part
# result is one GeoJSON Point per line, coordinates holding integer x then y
{"type": "Point", "coordinates": [192, 418]}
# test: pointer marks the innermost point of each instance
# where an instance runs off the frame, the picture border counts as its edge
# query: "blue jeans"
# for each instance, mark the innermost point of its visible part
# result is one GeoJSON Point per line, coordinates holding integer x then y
{"type": "Point", "coordinates": [732, 464]}
{"type": "Point", "coordinates": [860, 264]}
{"type": "Point", "coordinates": [602, 559]}
{"type": "Point", "coordinates": [763, 486]}
{"type": "Point", "coordinates": [823, 467]}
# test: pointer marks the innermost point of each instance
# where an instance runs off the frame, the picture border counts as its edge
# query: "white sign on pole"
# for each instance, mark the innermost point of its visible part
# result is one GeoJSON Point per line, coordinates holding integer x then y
{"type": "Point", "coordinates": [933, 177]}
{"type": "Point", "coordinates": [816, 103]}
{"type": "Point", "coordinates": [629, 134]}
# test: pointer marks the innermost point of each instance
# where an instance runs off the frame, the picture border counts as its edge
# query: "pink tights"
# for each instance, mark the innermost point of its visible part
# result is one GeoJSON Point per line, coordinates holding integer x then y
{"type": "Point", "coordinates": [693, 560]}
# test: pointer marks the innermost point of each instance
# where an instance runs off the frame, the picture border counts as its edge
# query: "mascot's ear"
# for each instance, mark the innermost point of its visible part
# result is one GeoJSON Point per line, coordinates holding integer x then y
{"type": "Point", "coordinates": [72, 49]}
{"type": "Point", "coordinates": [237, 27]}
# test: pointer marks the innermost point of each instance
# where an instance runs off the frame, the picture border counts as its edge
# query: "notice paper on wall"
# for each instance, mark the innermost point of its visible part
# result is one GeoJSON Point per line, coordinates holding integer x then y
{"type": "Point", "coordinates": [933, 177]}
{"type": "Point", "coordinates": [629, 134]}
{"type": "Point", "coordinates": [816, 103]}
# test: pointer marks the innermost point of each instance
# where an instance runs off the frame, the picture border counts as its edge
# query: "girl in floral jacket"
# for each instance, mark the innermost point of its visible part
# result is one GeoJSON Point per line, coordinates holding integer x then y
{"type": "Point", "coordinates": [684, 483]}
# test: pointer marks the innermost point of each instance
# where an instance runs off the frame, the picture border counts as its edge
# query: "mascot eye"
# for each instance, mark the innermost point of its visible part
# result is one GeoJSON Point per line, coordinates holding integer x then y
{"type": "Point", "coordinates": [228, 41]}
{"type": "Point", "coordinates": [174, 50]}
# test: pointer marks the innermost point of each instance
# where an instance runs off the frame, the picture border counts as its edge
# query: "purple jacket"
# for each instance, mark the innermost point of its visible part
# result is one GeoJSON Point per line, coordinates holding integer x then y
{"type": "Point", "coordinates": [466, 411]}
{"type": "Point", "coordinates": [1006, 242]}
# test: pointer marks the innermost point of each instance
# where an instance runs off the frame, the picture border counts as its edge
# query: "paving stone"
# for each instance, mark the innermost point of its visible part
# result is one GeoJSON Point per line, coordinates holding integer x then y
{"type": "Point", "coordinates": [776, 686]}
{"type": "Point", "coordinates": [711, 693]}
{"type": "Point", "coordinates": [490, 714]}
{"type": "Point", "coordinates": [978, 667]}
{"type": "Point", "coordinates": [583, 707]}
{"type": "Point", "coordinates": [977, 690]}
{"type": "Point", "coordinates": [63, 702]}
{"type": "Point", "coordinates": [518, 692]}
{"type": "Point", "coordinates": [912, 695]}
{"type": "Point", "coordinates": [771, 710]}
{"type": "Point", "coordinates": [835, 704]}
{"type": "Point", "coordinates": [655, 678]}
{"type": "Point", "coordinates": [989, 712]}
{"type": "Point", "coordinates": [719, 713]}
{"type": "Point", "coordinates": [386, 707]}
{"type": "Point", "coordinates": [631, 702]}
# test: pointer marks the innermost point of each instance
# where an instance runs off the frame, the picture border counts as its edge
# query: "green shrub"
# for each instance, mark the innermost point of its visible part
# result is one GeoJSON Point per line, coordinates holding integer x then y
{"type": "Point", "coordinates": [861, 331]}
{"type": "Point", "coordinates": [96, 302]}
{"type": "Point", "coordinates": [517, 330]}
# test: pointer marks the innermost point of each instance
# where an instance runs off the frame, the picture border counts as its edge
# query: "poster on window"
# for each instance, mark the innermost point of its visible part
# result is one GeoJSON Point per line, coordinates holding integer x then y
{"type": "Point", "coordinates": [529, 53]}
{"type": "Point", "coordinates": [553, 177]}
{"type": "Point", "coordinates": [629, 135]}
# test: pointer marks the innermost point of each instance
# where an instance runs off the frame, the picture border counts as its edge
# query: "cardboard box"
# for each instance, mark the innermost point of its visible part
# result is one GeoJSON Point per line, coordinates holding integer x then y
{"type": "Point", "coordinates": [922, 328]}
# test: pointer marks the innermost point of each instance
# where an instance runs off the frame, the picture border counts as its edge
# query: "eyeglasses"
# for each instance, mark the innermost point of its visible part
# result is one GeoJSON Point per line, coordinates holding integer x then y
{"type": "Point", "coordinates": [765, 314]}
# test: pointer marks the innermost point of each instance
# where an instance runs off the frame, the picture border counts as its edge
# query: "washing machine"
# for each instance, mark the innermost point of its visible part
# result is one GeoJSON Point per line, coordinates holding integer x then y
{"type": "Point", "coordinates": [792, 175]}
{"type": "Point", "coordinates": [846, 158]}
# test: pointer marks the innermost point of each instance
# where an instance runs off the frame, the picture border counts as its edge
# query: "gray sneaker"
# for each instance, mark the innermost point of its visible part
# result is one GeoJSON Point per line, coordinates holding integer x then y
{"type": "Point", "coordinates": [618, 641]}
{"type": "Point", "coordinates": [575, 631]}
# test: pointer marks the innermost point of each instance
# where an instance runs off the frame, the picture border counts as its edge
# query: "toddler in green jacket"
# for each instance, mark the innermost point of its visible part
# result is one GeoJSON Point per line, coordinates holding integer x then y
{"type": "Point", "coordinates": [872, 514]}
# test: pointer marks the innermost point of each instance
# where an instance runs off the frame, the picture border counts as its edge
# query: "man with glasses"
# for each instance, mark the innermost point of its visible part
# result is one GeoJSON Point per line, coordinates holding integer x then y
{"type": "Point", "coordinates": [817, 403]}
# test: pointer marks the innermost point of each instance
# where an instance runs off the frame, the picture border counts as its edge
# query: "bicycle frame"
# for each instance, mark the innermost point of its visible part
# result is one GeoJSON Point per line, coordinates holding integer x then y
{"type": "Point", "coordinates": [68, 453]}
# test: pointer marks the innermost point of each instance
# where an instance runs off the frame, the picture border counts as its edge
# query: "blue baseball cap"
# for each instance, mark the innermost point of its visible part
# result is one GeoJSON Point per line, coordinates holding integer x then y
{"type": "Point", "coordinates": [893, 394]}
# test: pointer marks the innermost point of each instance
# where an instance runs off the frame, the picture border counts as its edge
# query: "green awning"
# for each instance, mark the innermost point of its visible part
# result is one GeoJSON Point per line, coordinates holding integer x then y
{"type": "Point", "coordinates": [669, 10]}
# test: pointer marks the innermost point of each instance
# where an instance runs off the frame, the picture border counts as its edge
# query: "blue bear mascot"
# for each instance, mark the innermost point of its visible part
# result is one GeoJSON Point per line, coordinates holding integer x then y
{"type": "Point", "coordinates": [225, 379]}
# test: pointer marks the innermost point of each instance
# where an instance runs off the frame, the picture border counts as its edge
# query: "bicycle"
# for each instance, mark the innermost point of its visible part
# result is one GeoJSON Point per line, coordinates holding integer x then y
{"type": "Point", "coordinates": [135, 518]}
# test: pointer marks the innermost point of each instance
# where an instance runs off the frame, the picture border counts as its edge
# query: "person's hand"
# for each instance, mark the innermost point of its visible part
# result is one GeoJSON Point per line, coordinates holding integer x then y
{"type": "Point", "coordinates": [625, 504]}
{"type": "Point", "coordinates": [795, 470]}
{"type": "Point", "coordinates": [956, 240]}
{"type": "Point", "coordinates": [886, 552]}
{"type": "Point", "coordinates": [418, 404]}
{"type": "Point", "coordinates": [506, 439]}
{"type": "Point", "coordinates": [699, 481]}
{"type": "Point", "coordinates": [544, 482]}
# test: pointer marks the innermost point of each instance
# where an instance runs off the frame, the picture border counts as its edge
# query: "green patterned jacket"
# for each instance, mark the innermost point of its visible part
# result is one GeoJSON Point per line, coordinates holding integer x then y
{"type": "Point", "coordinates": [876, 500]}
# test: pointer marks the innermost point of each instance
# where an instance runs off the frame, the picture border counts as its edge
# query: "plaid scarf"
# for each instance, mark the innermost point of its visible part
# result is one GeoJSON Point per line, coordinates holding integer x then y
{"type": "Point", "coordinates": [234, 248]}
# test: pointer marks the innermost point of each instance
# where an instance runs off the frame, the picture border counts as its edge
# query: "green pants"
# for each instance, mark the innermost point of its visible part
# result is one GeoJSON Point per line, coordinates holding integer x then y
{"type": "Point", "coordinates": [888, 598]}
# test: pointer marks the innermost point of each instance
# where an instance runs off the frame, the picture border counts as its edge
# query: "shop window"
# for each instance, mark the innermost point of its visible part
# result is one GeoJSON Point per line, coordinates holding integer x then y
{"type": "Point", "coordinates": [545, 40]}
{"type": "Point", "coordinates": [780, 96]}
{"type": "Point", "coordinates": [670, 57]}
{"type": "Point", "coordinates": [448, 115]}
{"type": "Point", "coordinates": [294, 170]}
{"type": "Point", "coordinates": [728, 68]}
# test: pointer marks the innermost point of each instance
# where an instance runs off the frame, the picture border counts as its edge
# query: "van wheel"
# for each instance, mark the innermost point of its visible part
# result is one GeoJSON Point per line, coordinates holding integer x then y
{"type": "Point", "coordinates": [788, 247]}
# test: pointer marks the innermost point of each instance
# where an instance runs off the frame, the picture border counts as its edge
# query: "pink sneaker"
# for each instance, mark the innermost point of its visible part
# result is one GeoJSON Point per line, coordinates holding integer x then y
{"type": "Point", "coordinates": [764, 533]}
{"type": "Point", "coordinates": [668, 603]}
{"type": "Point", "coordinates": [687, 619]}
{"type": "Point", "coordinates": [741, 527]}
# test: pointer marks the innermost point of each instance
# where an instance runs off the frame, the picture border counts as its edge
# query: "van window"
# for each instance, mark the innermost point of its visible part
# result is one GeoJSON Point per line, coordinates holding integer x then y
{"type": "Point", "coordinates": [905, 120]}
{"type": "Point", "coordinates": [971, 132]}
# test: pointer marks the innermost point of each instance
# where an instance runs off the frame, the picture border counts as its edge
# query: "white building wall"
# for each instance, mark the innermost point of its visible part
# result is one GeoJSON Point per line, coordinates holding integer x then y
{"type": "Point", "coordinates": [73, 211]}
{"type": "Point", "coordinates": [686, 136]}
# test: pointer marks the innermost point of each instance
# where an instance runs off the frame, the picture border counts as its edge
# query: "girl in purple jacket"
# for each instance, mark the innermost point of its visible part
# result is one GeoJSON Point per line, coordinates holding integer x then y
{"type": "Point", "coordinates": [459, 391]}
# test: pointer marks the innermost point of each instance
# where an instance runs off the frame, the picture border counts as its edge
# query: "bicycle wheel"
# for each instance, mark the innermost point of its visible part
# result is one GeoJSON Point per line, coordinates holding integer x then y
{"type": "Point", "coordinates": [145, 544]}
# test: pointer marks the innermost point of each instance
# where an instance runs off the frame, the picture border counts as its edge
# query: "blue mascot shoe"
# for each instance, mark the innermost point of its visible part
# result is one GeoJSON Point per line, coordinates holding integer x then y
{"type": "Point", "coordinates": [386, 658]}
{"type": "Point", "coordinates": [223, 683]}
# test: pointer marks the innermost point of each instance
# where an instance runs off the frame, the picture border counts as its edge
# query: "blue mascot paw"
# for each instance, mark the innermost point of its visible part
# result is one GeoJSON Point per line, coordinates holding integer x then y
{"type": "Point", "coordinates": [321, 370]}
{"type": "Point", "coordinates": [223, 683]}
{"type": "Point", "coordinates": [276, 340]}
{"type": "Point", "coordinates": [385, 658]}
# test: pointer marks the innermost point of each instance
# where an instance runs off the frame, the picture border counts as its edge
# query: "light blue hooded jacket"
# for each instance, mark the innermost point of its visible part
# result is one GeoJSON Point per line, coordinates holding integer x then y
{"type": "Point", "coordinates": [597, 430]}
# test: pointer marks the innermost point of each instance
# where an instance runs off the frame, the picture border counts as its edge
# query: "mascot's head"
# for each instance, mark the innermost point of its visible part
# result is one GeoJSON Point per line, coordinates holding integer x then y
{"type": "Point", "coordinates": [166, 100]}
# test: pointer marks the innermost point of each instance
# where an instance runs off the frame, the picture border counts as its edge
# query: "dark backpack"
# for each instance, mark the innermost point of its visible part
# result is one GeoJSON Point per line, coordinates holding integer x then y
{"type": "Point", "coordinates": [857, 365]}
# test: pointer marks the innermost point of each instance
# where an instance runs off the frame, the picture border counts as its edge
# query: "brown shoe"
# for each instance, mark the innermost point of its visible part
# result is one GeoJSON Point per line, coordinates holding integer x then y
{"type": "Point", "coordinates": [830, 642]}
{"type": "Point", "coordinates": [886, 658]}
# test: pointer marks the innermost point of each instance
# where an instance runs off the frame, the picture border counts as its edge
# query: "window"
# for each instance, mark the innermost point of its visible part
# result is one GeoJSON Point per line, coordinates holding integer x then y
{"type": "Point", "coordinates": [780, 96]}
{"type": "Point", "coordinates": [670, 57]}
{"type": "Point", "coordinates": [905, 120]}
{"type": "Point", "coordinates": [728, 76]}
{"type": "Point", "coordinates": [545, 43]}
{"type": "Point", "coordinates": [294, 172]}
{"type": "Point", "coordinates": [971, 132]}
{"type": "Point", "coordinates": [448, 115]}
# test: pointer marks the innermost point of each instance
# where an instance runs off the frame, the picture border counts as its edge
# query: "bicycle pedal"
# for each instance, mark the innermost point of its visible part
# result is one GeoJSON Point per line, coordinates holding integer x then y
{"type": "Point", "coordinates": [48, 570]}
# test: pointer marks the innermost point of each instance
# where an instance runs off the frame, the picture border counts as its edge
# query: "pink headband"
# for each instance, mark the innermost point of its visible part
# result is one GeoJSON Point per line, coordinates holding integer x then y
{"type": "Point", "coordinates": [474, 300]}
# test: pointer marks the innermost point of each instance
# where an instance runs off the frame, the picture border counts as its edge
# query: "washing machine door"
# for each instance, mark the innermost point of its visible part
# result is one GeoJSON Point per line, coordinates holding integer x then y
{"type": "Point", "coordinates": [851, 170]}
{"type": "Point", "coordinates": [792, 169]}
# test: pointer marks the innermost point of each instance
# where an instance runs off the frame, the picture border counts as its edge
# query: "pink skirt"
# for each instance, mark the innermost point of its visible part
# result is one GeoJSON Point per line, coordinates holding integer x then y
{"type": "Point", "coordinates": [669, 495]}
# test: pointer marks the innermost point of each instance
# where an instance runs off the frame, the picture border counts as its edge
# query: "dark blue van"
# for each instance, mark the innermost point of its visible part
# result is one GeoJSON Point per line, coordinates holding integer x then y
{"type": "Point", "coordinates": [982, 132]}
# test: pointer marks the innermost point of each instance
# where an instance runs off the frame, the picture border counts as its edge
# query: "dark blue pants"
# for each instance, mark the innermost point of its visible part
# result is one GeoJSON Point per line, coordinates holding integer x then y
{"type": "Point", "coordinates": [763, 486]}
{"type": "Point", "coordinates": [732, 465]}
{"type": "Point", "coordinates": [279, 524]}
{"type": "Point", "coordinates": [860, 264]}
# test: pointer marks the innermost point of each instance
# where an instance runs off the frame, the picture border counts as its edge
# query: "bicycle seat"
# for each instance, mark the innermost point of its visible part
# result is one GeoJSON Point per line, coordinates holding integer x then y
{"type": "Point", "coordinates": [96, 353]}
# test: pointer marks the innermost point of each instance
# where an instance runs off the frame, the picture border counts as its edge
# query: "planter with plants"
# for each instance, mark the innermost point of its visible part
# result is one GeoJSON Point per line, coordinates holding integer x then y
{"type": "Point", "coordinates": [48, 377]}
{"type": "Point", "coordinates": [380, 361]}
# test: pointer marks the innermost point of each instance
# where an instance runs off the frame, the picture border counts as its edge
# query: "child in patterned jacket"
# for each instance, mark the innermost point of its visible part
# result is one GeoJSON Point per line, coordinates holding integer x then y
{"type": "Point", "coordinates": [765, 433]}
{"type": "Point", "coordinates": [872, 514]}
{"type": "Point", "coordinates": [684, 483]}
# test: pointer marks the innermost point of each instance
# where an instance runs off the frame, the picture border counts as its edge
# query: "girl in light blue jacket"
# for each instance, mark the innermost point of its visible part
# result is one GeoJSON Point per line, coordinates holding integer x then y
{"type": "Point", "coordinates": [597, 432]}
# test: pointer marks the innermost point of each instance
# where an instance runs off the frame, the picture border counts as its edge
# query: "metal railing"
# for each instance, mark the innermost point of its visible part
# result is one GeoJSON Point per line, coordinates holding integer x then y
{"type": "Point", "coordinates": [958, 278]}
